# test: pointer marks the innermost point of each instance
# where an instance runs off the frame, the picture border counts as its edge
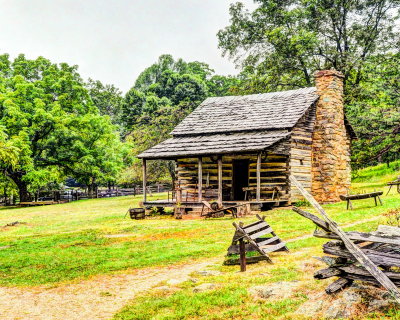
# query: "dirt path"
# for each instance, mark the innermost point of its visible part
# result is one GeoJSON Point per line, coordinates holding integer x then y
{"type": "Point", "coordinates": [98, 298]}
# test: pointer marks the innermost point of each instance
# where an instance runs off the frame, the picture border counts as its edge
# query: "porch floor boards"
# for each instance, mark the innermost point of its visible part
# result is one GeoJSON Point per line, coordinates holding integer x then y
{"type": "Point", "coordinates": [171, 203]}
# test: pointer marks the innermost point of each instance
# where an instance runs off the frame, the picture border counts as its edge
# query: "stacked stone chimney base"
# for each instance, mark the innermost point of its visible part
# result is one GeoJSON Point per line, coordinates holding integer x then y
{"type": "Point", "coordinates": [331, 171]}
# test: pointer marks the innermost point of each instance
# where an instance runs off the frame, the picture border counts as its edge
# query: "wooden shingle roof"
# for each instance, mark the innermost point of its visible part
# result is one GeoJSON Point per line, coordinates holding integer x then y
{"type": "Point", "coordinates": [222, 143]}
{"type": "Point", "coordinates": [275, 110]}
{"type": "Point", "coordinates": [236, 124]}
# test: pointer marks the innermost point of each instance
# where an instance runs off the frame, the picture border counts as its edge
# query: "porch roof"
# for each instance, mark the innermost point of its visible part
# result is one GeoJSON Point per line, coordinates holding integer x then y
{"type": "Point", "coordinates": [201, 145]}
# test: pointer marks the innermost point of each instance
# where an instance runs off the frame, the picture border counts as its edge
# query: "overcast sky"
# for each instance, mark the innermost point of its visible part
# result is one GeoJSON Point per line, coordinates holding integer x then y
{"type": "Point", "coordinates": [114, 40]}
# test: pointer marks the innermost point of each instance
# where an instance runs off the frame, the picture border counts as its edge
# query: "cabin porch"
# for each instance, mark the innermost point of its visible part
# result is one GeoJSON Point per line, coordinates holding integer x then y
{"type": "Point", "coordinates": [259, 179]}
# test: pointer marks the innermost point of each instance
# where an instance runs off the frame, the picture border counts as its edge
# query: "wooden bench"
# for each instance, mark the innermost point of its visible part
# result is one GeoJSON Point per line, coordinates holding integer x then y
{"type": "Point", "coordinates": [249, 192]}
{"type": "Point", "coordinates": [37, 203]}
{"type": "Point", "coordinates": [350, 197]}
{"type": "Point", "coordinates": [394, 183]}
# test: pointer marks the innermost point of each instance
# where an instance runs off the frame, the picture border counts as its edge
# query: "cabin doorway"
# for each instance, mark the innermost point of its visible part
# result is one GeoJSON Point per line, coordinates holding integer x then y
{"type": "Point", "coordinates": [240, 178]}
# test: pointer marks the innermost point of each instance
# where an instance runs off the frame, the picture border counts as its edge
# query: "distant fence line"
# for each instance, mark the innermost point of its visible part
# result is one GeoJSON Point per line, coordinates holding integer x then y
{"type": "Point", "coordinates": [80, 194]}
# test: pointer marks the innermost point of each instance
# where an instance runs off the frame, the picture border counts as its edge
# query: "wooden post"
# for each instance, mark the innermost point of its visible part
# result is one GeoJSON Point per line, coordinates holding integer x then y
{"type": "Point", "coordinates": [242, 252]}
{"type": "Point", "coordinates": [144, 181]}
{"type": "Point", "coordinates": [200, 179]}
{"type": "Point", "coordinates": [258, 192]}
{"type": "Point", "coordinates": [361, 257]}
{"type": "Point", "coordinates": [220, 181]}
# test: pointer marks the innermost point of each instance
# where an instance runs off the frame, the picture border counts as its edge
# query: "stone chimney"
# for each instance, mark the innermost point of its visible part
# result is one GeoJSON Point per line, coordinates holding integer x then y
{"type": "Point", "coordinates": [331, 171]}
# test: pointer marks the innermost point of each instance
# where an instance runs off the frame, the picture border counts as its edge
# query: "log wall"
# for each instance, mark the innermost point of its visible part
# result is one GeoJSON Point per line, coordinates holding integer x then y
{"type": "Point", "coordinates": [301, 153]}
{"type": "Point", "coordinates": [274, 169]}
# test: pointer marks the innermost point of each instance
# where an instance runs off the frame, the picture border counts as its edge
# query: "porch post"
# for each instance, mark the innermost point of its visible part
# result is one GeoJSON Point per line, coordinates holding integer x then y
{"type": "Point", "coordinates": [220, 181]}
{"type": "Point", "coordinates": [258, 192]}
{"type": "Point", "coordinates": [144, 181]}
{"type": "Point", "coordinates": [200, 179]}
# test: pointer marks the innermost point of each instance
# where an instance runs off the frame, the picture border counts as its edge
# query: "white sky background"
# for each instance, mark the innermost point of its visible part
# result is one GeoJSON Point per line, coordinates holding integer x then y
{"type": "Point", "coordinates": [114, 40]}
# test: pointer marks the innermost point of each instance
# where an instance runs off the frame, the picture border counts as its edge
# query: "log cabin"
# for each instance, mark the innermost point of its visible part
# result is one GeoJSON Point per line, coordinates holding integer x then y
{"type": "Point", "coordinates": [239, 149]}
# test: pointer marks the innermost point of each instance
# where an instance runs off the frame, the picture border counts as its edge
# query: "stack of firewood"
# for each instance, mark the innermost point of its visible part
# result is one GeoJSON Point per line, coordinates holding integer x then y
{"type": "Point", "coordinates": [381, 248]}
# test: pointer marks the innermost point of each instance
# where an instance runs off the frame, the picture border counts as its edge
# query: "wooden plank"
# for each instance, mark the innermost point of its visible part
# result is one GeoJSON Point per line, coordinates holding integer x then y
{"type": "Point", "coordinates": [261, 233]}
{"type": "Point", "coordinates": [361, 236]}
{"type": "Point", "coordinates": [258, 226]}
{"type": "Point", "coordinates": [268, 241]}
{"type": "Point", "coordinates": [361, 271]}
{"type": "Point", "coordinates": [319, 222]}
{"type": "Point", "coordinates": [254, 223]}
{"type": "Point", "coordinates": [200, 179]}
{"type": "Point", "coordinates": [220, 181]}
{"type": "Point", "coordinates": [337, 285]}
{"type": "Point", "coordinates": [327, 273]}
{"type": "Point", "coordinates": [144, 167]}
{"type": "Point", "coordinates": [242, 252]}
{"type": "Point", "coordinates": [275, 247]}
{"type": "Point", "coordinates": [354, 250]}
{"type": "Point", "coordinates": [258, 176]}
{"type": "Point", "coordinates": [380, 258]}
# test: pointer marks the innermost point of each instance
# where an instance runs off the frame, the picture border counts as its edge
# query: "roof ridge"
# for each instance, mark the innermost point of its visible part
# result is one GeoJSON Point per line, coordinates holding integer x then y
{"type": "Point", "coordinates": [267, 94]}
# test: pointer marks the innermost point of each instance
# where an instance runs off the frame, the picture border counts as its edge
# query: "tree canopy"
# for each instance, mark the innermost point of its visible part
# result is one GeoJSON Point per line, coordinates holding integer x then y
{"type": "Point", "coordinates": [107, 98]}
{"type": "Point", "coordinates": [281, 44]}
{"type": "Point", "coordinates": [50, 127]}
{"type": "Point", "coordinates": [375, 113]}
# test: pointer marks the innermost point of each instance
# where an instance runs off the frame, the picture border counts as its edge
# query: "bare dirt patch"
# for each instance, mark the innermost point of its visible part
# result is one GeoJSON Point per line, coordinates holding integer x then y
{"type": "Point", "coordinates": [97, 298]}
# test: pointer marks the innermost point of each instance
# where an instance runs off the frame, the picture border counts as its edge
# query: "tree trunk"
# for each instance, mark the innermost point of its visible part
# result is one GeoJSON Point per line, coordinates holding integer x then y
{"type": "Point", "coordinates": [24, 195]}
{"type": "Point", "coordinates": [5, 195]}
{"type": "Point", "coordinates": [90, 191]}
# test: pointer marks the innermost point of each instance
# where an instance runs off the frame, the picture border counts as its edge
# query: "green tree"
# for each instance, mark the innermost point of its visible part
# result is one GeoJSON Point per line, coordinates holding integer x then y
{"type": "Point", "coordinates": [107, 98]}
{"type": "Point", "coordinates": [51, 123]}
{"type": "Point", "coordinates": [166, 62]}
{"type": "Point", "coordinates": [149, 130]}
{"type": "Point", "coordinates": [96, 153]}
{"type": "Point", "coordinates": [167, 82]}
{"type": "Point", "coordinates": [376, 113]}
{"type": "Point", "coordinates": [281, 43]}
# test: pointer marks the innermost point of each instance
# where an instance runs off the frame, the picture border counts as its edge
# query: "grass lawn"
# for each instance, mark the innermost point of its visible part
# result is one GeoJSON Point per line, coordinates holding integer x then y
{"type": "Point", "coordinates": [70, 242]}
{"type": "Point", "coordinates": [231, 299]}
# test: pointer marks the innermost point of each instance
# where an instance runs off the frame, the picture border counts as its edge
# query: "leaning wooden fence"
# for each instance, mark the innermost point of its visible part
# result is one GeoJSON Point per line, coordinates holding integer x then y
{"type": "Point", "coordinates": [355, 252]}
